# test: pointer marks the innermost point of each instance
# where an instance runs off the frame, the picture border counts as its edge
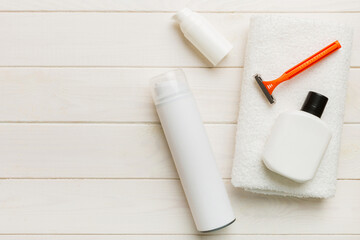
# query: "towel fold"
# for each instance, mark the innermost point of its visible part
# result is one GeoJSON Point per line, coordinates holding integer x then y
{"type": "Point", "coordinates": [275, 44]}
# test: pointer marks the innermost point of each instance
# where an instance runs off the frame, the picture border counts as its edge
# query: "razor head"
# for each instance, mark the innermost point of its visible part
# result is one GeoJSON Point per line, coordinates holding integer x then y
{"type": "Point", "coordinates": [263, 89]}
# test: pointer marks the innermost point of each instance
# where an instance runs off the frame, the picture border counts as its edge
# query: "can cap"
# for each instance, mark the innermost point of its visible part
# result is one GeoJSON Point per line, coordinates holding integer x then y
{"type": "Point", "coordinates": [314, 103]}
{"type": "Point", "coordinates": [168, 85]}
{"type": "Point", "coordinates": [203, 35]}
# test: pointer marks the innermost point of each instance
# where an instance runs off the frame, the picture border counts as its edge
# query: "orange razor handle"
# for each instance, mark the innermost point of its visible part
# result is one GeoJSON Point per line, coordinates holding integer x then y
{"type": "Point", "coordinates": [303, 65]}
{"type": "Point", "coordinates": [313, 59]}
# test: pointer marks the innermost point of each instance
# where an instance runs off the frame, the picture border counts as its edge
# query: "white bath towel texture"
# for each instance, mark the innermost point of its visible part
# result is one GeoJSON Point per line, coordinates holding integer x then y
{"type": "Point", "coordinates": [275, 44]}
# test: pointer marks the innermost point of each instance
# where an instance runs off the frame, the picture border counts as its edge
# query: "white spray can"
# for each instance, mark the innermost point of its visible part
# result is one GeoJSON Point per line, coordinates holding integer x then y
{"type": "Point", "coordinates": [191, 151]}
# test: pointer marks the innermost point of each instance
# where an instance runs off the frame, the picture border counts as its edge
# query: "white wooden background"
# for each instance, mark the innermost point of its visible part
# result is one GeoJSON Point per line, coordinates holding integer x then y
{"type": "Point", "coordinates": [82, 154]}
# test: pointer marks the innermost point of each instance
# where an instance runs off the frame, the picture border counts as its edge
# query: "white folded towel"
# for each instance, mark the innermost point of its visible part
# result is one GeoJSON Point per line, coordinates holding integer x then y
{"type": "Point", "coordinates": [275, 44]}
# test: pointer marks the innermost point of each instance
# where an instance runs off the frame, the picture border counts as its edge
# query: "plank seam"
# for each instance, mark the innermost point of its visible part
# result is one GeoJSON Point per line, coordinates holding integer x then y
{"type": "Point", "coordinates": [126, 123]}
{"type": "Point", "coordinates": [113, 66]}
{"type": "Point", "coordinates": [123, 66]}
{"type": "Point", "coordinates": [166, 12]}
{"type": "Point", "coordinates": [125, 179]}
{"type": "Point", "coordinates": [180, 234]}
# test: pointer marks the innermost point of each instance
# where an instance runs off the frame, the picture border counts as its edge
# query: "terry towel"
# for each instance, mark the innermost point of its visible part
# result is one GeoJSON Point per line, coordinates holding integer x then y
{"type": "Point", "coordinates": [275, 44]}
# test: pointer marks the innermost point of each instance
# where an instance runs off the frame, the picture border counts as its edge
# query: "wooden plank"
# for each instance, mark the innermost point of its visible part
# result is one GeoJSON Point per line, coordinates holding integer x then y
{"type": "Point", "coordinates": [126, 39]}
{"type": "Point", "coordinates": [160, 5]}
{"type": "Point", "coordinates": [121, 151]}
{"type": "Point", "coordinates": [109, 95]}
{"type": "Point", "coordinates": [159, 206]}
{"type": "Point", "coordinates": [350, 152]}
{"type": "Point", "coordinates": [352, 108]}
{"type": "Point", "coordinates": [179, 237]}
{"type": "Point", "coordinates": [123, 94]}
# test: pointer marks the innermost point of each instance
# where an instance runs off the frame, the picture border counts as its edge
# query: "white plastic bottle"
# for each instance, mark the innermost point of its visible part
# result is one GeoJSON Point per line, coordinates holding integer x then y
{"type": "Point", "coordinates": [203, 35]}
{"type": "Point", "coordinates": [191, 151]}
{"type": "Point", "coordinates": [298, 140]}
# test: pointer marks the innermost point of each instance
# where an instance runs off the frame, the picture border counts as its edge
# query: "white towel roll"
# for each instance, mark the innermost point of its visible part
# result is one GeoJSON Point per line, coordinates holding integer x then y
{"type": "Point", "coordinates": [275, 44]}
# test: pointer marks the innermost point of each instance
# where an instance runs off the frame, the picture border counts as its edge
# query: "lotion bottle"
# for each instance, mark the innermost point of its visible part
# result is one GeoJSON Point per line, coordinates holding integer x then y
{"type": "Point", "coordinates": [203, 35]}
{"type": "Point", "coordinates": [298, 141]}
{"type": "Point", "coordinates": [191, 151]}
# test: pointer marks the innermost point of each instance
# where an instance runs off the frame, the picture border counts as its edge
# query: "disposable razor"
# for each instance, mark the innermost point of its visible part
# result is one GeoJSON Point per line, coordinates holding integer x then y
{"type": "Point", "coordinates": [268, 86]}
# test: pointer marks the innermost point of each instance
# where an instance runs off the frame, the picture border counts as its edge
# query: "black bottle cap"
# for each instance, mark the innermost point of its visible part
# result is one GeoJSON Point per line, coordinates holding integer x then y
{"type": "Point", "coordinates": [314, 103]}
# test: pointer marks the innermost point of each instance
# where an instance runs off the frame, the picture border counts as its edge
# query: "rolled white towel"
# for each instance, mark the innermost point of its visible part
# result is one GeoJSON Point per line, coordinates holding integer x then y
{"type": "Point", "coordinates": [275, 44]}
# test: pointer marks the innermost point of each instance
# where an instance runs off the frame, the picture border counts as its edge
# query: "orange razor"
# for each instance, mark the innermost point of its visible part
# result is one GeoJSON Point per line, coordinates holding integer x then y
{"type": "Point", "coordinates": [268, 86]}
